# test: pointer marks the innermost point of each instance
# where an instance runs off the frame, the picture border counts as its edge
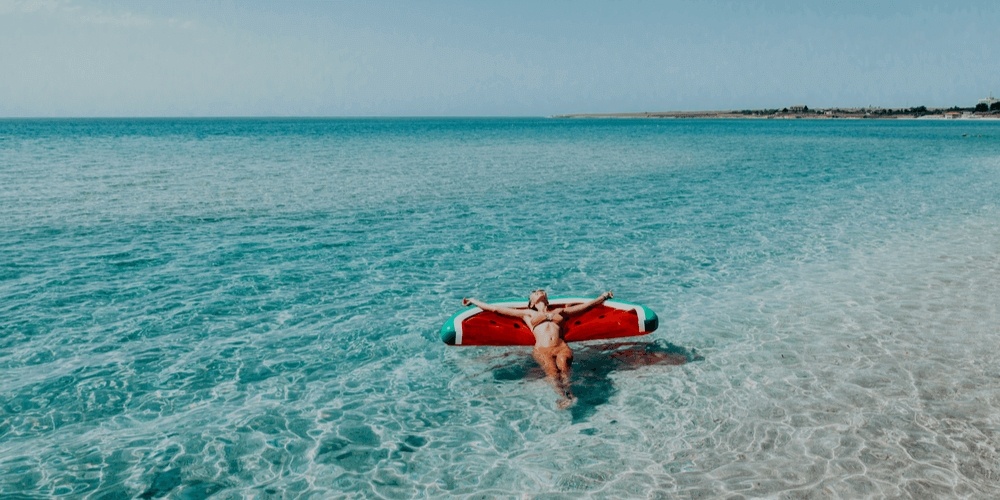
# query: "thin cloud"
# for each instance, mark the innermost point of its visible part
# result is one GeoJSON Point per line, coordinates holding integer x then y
{"type": "Point", "coordinates": [29, 6]}
{"type": "Point", "coordinates": [123, 19]}
{"type": "Point", "coordinates": [36, 6]}
{"type": "Point", "coordinates": [88, 14]}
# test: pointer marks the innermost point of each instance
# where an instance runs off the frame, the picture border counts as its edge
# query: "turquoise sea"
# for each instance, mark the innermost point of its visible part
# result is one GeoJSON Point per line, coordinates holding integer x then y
{"type": "Point", "coordinates": [250, 308]}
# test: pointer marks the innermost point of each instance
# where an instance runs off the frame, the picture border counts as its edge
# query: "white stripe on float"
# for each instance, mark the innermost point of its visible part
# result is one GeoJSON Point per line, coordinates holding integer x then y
{"type": "Point", "coordinates": [458, 323]}
{"type": "Point", "coordinates": [639, 311]}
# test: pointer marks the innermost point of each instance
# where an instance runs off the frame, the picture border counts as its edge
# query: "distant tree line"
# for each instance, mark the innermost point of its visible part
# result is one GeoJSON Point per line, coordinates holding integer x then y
{"type": "Point", "coordinates": [915, 111]}
{"type": "Point", "coordinates": [760, 112]}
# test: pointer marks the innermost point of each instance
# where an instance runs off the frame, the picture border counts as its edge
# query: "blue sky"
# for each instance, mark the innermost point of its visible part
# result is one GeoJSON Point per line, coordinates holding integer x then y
{"type": "Point", "coordinates": [478, 58]}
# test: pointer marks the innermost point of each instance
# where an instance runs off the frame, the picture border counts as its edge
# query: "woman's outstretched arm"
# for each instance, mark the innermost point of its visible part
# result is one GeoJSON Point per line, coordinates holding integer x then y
{"type": "Point", "coordinates": [579, 308]}
{"type": "Point", "coordinates": [506, 311]}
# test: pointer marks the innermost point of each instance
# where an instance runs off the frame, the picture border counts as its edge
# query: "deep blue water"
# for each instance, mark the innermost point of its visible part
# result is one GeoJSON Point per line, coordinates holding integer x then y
{"type": "Point", "coordinates": [250, 307]}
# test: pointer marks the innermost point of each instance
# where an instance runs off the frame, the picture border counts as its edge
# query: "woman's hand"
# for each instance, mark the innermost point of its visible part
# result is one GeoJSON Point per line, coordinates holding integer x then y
{"type": "Point", "coordinates": [466, 301]}
{"type": "Point", "coordinates": [608, 295]}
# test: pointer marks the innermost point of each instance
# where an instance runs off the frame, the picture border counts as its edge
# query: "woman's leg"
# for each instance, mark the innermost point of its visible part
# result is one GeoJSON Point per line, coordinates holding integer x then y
{"type": "Point", "coordinates": [564, 362]}
{"type": "Point", "coordinates": [550, 362]}
{"type": "Point", "coordinates": [547, 361]}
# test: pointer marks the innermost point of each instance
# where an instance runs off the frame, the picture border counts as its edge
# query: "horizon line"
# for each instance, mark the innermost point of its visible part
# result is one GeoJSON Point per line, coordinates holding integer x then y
{"type": "Point", "coordinates": [256, 117]}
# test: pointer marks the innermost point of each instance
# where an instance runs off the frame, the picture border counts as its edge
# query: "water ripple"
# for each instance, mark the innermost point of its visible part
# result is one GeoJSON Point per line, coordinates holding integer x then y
{"type": "Point", "coordinates": [249, 308]}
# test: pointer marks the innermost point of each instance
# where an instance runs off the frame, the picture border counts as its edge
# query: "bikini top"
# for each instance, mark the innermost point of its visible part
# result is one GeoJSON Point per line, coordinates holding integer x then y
{"type": "Point", "coordinates": [553, 317]}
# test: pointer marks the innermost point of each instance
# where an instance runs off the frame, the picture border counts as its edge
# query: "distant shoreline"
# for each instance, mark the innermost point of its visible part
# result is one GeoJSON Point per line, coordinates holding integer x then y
{"type": "Point", "coordinates": [920, 113]}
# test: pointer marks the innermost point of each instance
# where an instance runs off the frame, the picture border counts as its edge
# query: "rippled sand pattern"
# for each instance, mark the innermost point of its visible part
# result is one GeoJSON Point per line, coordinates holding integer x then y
{"type": "Point", "coordinates": [249, 308]}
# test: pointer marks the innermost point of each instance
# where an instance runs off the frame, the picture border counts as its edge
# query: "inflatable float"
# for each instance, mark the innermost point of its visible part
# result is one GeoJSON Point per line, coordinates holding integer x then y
{"type": "Point", "coordinates": [609, 320]}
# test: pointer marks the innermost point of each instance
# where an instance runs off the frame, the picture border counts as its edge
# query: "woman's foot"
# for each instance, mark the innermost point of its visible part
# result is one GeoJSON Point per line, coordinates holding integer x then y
{"type": "Point", "coordinates": [566, 402]}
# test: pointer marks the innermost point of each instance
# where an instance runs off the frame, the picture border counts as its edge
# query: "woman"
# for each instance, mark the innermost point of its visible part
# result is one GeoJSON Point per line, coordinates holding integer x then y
{"type": "Point", "coordinates": [550, 351]}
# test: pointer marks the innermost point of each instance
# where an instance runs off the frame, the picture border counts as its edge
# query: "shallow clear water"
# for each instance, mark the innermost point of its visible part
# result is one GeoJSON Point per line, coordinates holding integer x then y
{"type": "Point", "coordinates": [250, 307]}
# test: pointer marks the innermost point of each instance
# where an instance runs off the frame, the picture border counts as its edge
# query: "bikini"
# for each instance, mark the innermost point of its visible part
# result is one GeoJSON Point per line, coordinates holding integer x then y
{"type": "Point", "coordinates": [548, 319]}
{"type": "Point", "coordinates": [551, 352]}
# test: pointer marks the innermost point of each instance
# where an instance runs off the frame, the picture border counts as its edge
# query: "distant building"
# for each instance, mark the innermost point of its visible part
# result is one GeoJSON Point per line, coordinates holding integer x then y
{"type": "Point", "coordinates": [989, 101]}
{"type": "Point", "coordinates": [798, 108]}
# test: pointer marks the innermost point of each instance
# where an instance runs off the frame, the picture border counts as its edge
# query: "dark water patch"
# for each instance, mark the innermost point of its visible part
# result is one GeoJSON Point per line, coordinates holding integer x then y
{"type": "Point", "coordinates": [361, 460]}
{"type": "Point", "coordinates": [332, 445]}
{"type": "Point", "coordinates": [87, 394]}
{"type": "Point", "coordinates": [163, 483]}
{"type": "Point", "coordinates": [197, 490]}
{"type": "Point", "coordinates": [593, 386]}
{"type": "Point", "coordinates": [355, 451]}
{"type": "Point", "coordinates": [114, 493]}
{"type": "Point", "coordinates": [268, 424]}
{"type": "Point", "coordinates": [594, 363]}
{"type": "Point", "coordinates": [517, 370]}
{"type": "Point", "coordinates": [362, 435]}
{"type": "Point", "coordinates": [415, 441]}
{"type": "Point", "coordinates": [253, 372]}
{"type": "Point", "coordinates": [136, 262]}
